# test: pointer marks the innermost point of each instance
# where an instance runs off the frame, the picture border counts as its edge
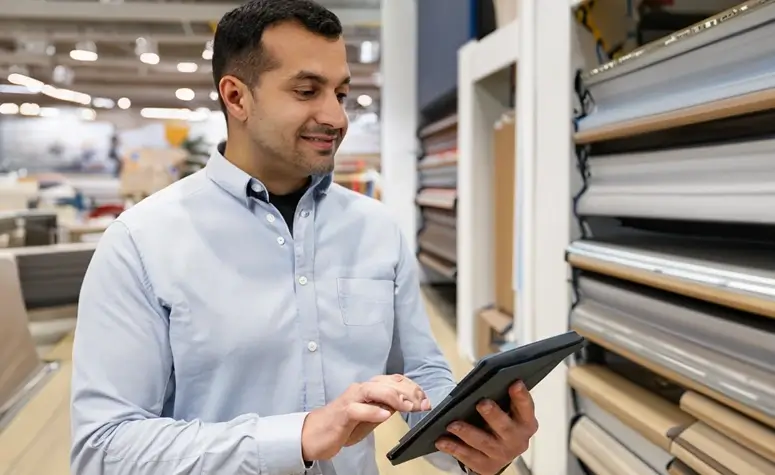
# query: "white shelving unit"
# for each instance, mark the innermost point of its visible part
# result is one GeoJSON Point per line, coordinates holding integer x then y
{"type": "Point", "coordinates": [483, 78]}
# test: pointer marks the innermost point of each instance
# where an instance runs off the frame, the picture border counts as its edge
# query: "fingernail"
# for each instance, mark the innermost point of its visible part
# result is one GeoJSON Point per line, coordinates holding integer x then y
{"type": "Point", "coordinates": [454, 427]}
{"type": "Point", "coordinates": [486, 406]}
{"type": "Point", "coordinates": [444, 445]}
{"type": "Point", "coordinates": [425, 405]}
{"type": "Point", "coordinates": [384, 413]}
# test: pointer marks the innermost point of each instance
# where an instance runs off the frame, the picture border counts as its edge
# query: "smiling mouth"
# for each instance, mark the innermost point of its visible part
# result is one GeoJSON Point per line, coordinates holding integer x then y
{"type": "Point", "coordinates": [320, 143]}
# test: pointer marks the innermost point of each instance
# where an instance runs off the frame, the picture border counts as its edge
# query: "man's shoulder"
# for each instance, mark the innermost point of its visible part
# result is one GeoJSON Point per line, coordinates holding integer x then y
{"type": "Point", "coordinates": [358, 204]}
{"type": "Point", "coordinates": [162, 209]}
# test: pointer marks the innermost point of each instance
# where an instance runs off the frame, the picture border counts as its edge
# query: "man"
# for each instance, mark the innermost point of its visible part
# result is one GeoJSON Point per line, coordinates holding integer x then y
{"type": "Point", "coordinates": [255, 318]}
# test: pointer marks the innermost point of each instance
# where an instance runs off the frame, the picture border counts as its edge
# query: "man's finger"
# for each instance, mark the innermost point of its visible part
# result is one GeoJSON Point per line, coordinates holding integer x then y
{"type": "Point", "coordinates": [523, 407]}
{"type": "Point", "coordinates": [408, 388]}
{"type": "Point", "coordinates": [478, 439]}
{"type": "Point", "coordinates": [390, 396]}
{"type": "Point", "coordinates": [504, 427]}
{"type": "Point", "coordinates": [358, 412]}
{"type": "Point", "coordinates": [470, 457]}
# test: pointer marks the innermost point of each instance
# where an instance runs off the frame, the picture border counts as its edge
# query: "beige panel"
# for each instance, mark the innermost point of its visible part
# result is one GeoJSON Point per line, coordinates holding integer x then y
{"type": "Point", "coordinates": [650, 415]}
{"type": "Point", "coordinates": [747, 432]}
{"type": "Point", "coordinates": [718, 453]}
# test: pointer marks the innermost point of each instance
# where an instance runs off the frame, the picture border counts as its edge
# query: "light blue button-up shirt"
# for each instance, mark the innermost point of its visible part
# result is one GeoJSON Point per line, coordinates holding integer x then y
{"type": "Point", "coordinates": [206, 332]}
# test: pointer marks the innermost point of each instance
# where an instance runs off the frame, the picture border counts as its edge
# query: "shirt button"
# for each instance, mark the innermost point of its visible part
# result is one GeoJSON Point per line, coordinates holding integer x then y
{"type": "Point", "coordinates": [270, 218]}
{"type": "Point", "coordinates": [256, 187]}
{"type": "Point", "coordinates": [312, 346]}
{"type": "Point", "coordinates": [281, 240]}
{"type": "Point", "coordinates": [303, 280]}
{"type": "Point", "coordinates": [304, 213]}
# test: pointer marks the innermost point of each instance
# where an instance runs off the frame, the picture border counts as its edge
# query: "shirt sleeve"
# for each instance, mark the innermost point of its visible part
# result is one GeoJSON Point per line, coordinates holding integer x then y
{"type": "Point", "coordinates": [122, 378]}
{"type": "Point", "coordinates": [415, 352]}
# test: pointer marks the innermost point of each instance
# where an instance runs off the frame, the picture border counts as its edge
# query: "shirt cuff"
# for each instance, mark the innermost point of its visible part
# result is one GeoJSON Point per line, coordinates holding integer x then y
{"type": "Point", "coordinates": [279, 444]}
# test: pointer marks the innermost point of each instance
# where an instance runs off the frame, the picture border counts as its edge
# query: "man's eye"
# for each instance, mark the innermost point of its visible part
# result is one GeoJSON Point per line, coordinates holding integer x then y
{"type": "Point", "coordinates": [341, 97]}
{"type": "Point", "coordinates": [306, 93]}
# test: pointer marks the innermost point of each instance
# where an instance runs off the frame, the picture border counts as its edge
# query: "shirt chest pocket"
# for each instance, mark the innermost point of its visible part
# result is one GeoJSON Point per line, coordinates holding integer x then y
{"type": "Point", "coordinates": [365, 301]}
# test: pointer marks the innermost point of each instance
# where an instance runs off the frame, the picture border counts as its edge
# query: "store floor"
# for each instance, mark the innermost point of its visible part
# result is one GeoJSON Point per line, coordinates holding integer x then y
{"type": "Point", "coordinates": [37, 441]}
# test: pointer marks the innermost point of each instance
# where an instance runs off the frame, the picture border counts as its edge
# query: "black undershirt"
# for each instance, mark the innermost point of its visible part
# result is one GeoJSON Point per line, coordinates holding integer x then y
{"type": "Point", "coordinates": [287, 204]}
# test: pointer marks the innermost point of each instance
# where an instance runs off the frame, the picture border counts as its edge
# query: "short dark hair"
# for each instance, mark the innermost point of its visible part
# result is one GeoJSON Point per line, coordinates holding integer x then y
{"type": "Point", "coordinates": [237, 48]}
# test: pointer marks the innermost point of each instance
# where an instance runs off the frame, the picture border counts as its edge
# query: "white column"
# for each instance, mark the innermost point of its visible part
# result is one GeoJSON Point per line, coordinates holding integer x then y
{"type": "Point", "coordinates": [399, 113]}
{"type": "Point", "coordinates": [545, 162]}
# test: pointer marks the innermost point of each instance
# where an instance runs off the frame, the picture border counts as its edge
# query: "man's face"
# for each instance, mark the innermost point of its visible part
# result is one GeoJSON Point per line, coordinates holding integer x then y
{"type": "Point", "coordinates": [297, 114]}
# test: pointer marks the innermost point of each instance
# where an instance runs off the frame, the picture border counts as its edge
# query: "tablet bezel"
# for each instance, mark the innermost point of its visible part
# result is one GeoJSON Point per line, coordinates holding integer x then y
{"type": "Point", "coordinates": [484, 370]}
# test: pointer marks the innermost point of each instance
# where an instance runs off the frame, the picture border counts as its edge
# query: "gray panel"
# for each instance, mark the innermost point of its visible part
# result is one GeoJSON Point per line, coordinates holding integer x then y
{"type": "Point", "coordinates": [728, 58]}
{"type": "Point", "coordinates": [730, 183]}
{"type": "Point", "coordinates": [747, 384]}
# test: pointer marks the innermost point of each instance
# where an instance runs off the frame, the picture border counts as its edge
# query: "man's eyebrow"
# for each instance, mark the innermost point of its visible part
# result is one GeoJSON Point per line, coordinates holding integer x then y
{"type": "Point", "coordinates": [315, 77]}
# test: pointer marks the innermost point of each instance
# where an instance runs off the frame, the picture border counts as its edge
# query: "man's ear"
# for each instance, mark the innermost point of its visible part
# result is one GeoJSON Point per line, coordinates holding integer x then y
{"type": "Point", "coordinates": [236, 97]}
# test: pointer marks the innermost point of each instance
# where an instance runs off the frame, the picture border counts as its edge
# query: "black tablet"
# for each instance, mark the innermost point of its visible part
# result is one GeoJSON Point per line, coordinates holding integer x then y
{"type": "Point", "coordinates": [490, 379]}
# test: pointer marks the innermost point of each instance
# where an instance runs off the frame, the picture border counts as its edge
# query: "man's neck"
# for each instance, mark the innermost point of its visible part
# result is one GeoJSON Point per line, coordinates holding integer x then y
{"type": "Point", "coordinates": [277, 181]}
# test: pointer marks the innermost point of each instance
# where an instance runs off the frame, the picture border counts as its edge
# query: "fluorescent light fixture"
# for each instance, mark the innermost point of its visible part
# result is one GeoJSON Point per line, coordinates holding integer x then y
{"type": "Point", "coordinates": [124, 103]}
{"type": "Point", "coordinates": [213, 96]}
{"type": "Point", "coordinates": [175, 114]}
{"type": "Point", "coordinates": [84, 51]}
{"type": "Point", "coordinates": [149, 58]}
{"type": "Point", "coordinates": [207, 53]}
{"type": "Point", "coordinates": [66, 95]}
{"type": "Point", "coordinates": [32, 85]}
{"type": "Point", "coordinates": [13, 89]}
{"type": "Point", "coordinates": [185, 94]}
{"type": "Point", "coordinates": [187, 67]}
{"type": "Point", "coordinates": [29, 108]}
{"type": "Point", "coordinates": [48, 112]}
{"type": "Point", "coordinates": [365, 100]}
{"type": "Point", "coordinates": [369, 52]}
{"type": "Point", "coordinates": [9, 109]}
{"type": "Point", "coordinates": [103, 103]}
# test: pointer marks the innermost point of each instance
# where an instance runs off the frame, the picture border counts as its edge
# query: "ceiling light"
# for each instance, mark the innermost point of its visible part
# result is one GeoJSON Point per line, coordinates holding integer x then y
{"type": "Point", "coordinates": [29, 108]}
{"type": "Point", "coordinates": [175, 114]}
{"type": "Point", "coordinates": [13, 89]}
{"type": "Point", "coordinates": [9, 109]}
{"type": "Point", "coordinates": [213, 96]}
{"type": "Point", "coordinates": [149, 58]}
{"type": "Point", "coordinates": [365, 100]}
{"type": "Point", "coordinates": [103, 103]}
{"type": "Point", "coordinates": [185, 94]}
{"type": "Point", "coordinates": [187, 67]}
{"type": "Point", "coordinates": [207, 53]}
{"type": "Point", "coordinates": [32, 85]}
{"type": "Point", "coordinates": [66, 95]}
{"type": "Point", "coordinates": [87, 114]}
{"type": "Point", "coordinates": [84, 51]}
{"type": "Point", "coordinates": [48, 112]}
{"type": "Point", "coordinates": [124, 103]}
{"type": "Point", "coordinates": [369, 52]}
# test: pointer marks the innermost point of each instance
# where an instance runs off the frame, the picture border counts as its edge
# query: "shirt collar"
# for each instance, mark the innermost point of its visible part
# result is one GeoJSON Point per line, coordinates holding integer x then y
{"type": "Point", "coordinates": [243, 186]}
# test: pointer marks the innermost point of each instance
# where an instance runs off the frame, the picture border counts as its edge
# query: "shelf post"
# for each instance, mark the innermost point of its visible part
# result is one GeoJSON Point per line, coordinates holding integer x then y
{"type": "Point", "coordinates": [399, 113]}
{"type": "Point", "coordinates": [544, 210]}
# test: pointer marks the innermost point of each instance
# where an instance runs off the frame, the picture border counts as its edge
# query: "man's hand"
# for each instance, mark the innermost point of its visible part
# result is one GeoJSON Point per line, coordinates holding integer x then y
{"type": "Point", "coordinates": [488, 453]}
{"type": "Point", "coordinates": [354, 414]}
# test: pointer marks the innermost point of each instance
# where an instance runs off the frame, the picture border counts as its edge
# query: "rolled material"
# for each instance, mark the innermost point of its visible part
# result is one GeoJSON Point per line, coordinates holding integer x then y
{"type": "Point", "coordinates": [710, 453]}
{"type": "Point", "coordinates": [651, 416]}
{"type": "Point", "coordinates": [602, 453]}
{"type": "Point", "coordinates": [726, 274]}
{"type": "Point", "coordinates": [671, 340]}
{"type": "Point", "coordinates": [756, 437]}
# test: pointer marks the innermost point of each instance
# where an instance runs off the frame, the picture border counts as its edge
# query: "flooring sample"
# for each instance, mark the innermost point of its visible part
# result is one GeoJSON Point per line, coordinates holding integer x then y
{"type": "Point", "coordinates": [602, 453]}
